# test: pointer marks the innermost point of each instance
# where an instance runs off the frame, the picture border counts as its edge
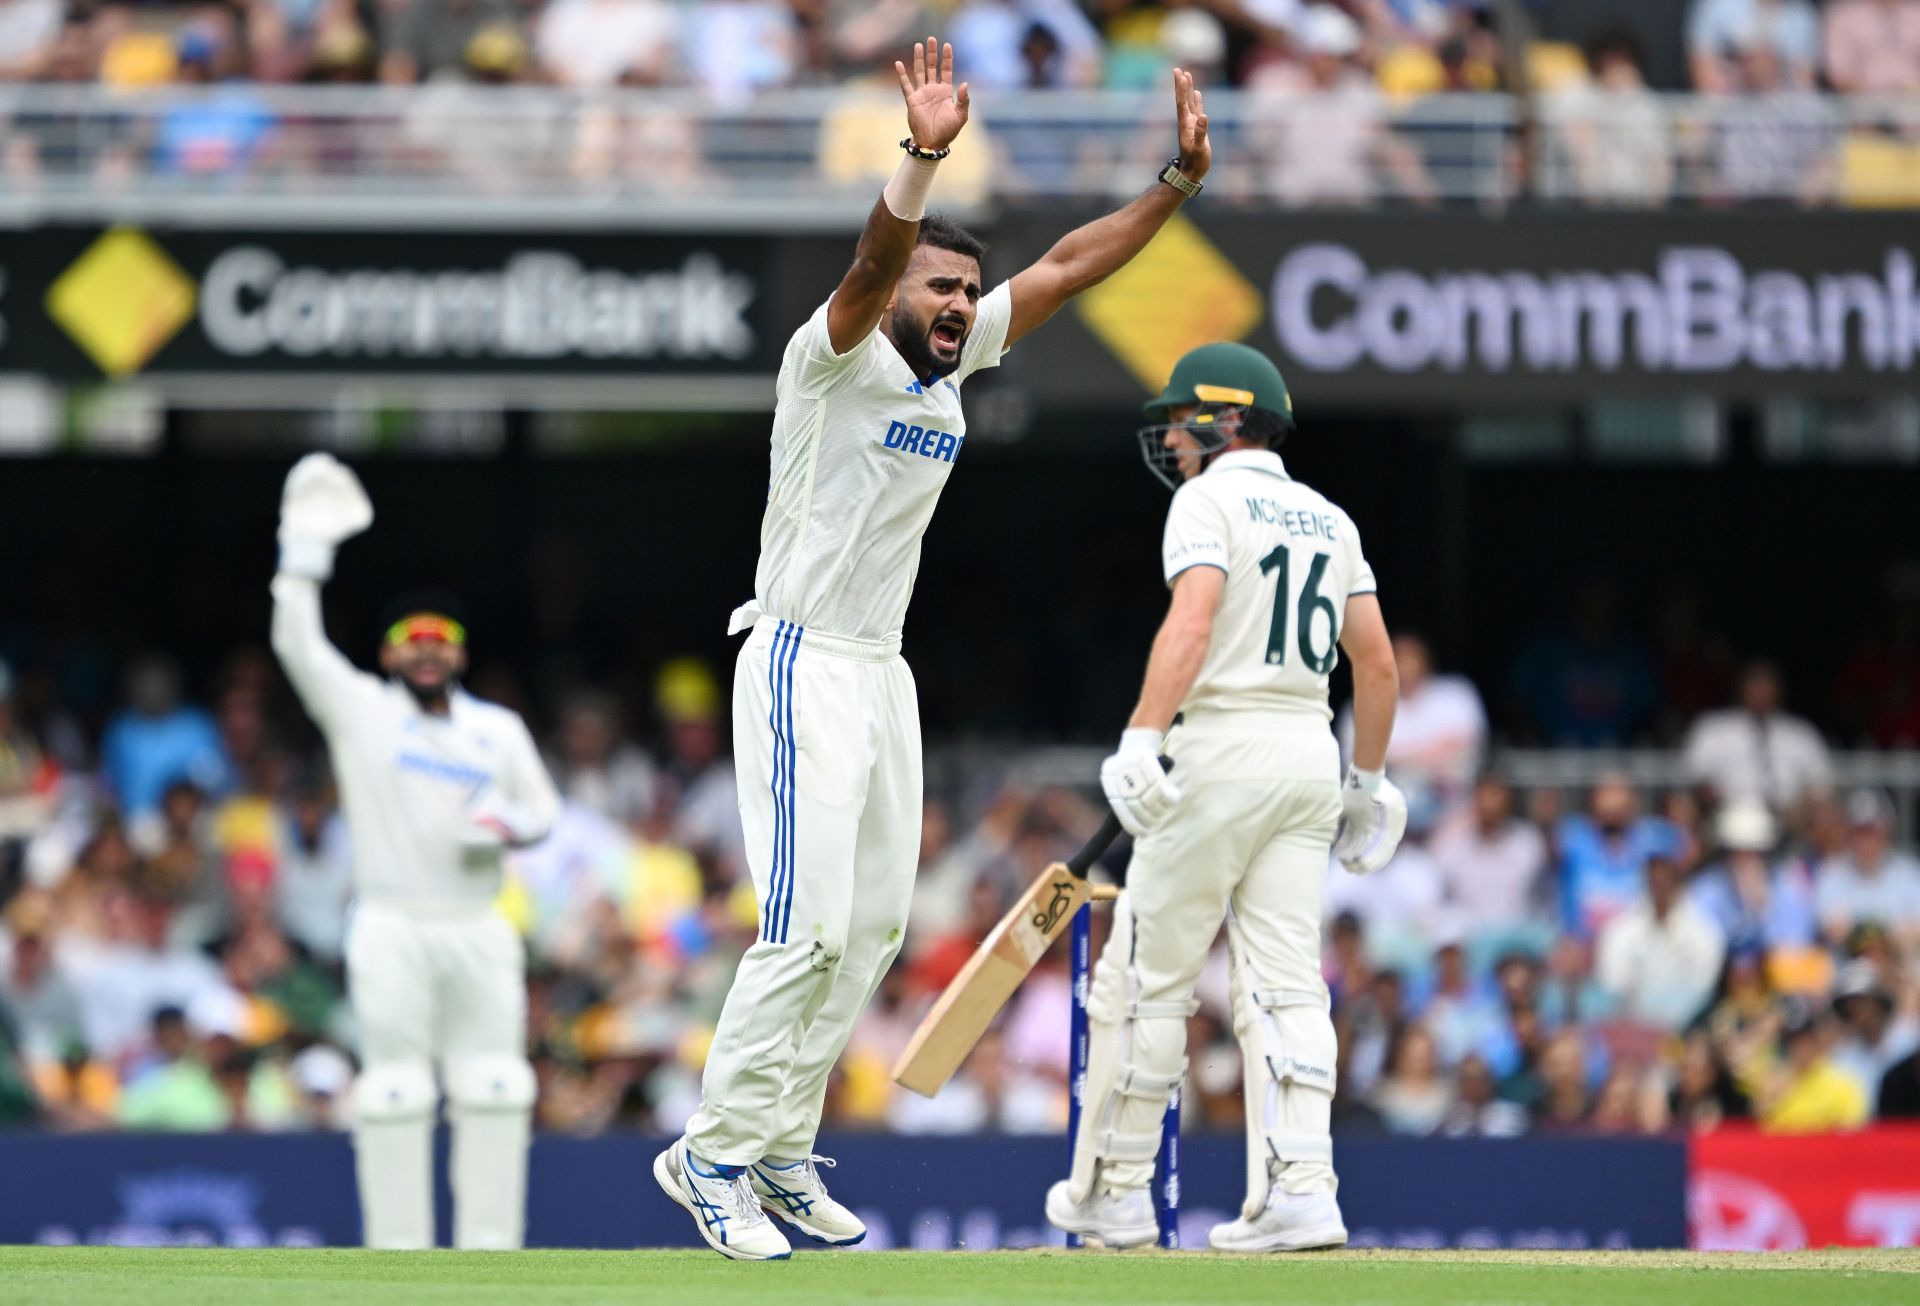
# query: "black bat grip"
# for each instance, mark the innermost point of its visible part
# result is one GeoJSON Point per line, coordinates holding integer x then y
{"type": "Point", "coordinates": [1081, 862]}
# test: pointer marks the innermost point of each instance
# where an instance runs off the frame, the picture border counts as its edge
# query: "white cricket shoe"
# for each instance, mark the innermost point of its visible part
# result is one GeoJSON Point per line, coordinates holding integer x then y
{"type": "Point", "coordinates": [797, 1195]}
{"type": "Point", "coordinates": [725, 1210]}
{"type": "Point", "coordinates": [1116, 1219]}
{"type": "Point", "coordinates": [1291, 1222]}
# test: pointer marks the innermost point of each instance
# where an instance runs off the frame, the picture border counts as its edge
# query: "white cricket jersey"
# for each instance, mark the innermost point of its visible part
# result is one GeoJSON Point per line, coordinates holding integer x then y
{"type": "Point", "coordinates": [861, 451]}
{"type": "Point", "coordinates": [1292, 560]}
{"type": "Point", "coordinates": [412, 783]}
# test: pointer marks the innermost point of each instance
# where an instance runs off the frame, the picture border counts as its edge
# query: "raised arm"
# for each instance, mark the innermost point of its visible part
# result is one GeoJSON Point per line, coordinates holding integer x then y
{"type": "Point", "coordinates": [322, 505]}
{"type": "Point", "coordinates": [1088, 255]}
{"type": "Point", "coordinates": [935, 115]}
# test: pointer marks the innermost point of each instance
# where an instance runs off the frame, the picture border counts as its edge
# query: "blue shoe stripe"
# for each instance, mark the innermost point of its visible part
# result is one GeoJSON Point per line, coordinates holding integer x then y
{"type": "Point", "coordinates": [796, 1203]}
{"type": "Point", "coordinates": [785, 906]}
{"type": "Point", "coordinates": [779, 806]}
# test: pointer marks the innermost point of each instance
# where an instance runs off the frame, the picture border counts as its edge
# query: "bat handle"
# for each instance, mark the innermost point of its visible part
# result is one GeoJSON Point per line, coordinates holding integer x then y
{"type": "Point", "coordinates": [1081, 862]}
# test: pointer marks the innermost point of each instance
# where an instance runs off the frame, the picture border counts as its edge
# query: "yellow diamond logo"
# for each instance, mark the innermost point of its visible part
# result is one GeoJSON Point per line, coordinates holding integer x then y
{"type": "Point", "coordinates": [1178, 293]}
{"type": "Point", "coordinates": [122, 300]}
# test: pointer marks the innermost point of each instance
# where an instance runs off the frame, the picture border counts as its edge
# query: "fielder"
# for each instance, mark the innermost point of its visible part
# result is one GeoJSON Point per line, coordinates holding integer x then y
{"type": "Point", "coordinates": [1267, 579]}
{"type": "Point", "coordinates": [867, 427]}
{"type": "Point", "coordinates": [435, 785]}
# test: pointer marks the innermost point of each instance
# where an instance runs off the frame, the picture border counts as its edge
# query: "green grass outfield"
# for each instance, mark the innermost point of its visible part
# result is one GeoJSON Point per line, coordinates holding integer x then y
{"type": "Point", "coordinates": [67, 1276]}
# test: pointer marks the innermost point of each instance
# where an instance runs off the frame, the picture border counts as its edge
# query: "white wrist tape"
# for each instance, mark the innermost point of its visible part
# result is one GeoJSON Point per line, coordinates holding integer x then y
{"type": "Point", "coordinates": [306, 557]}
{"type": "Point", "coordinates": [906, 194]}
{"type": "Point", "coordinates": [1367, 782]}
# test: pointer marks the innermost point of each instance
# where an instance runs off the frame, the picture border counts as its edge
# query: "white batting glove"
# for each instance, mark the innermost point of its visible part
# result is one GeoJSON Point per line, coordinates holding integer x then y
{"type": "Point", "coordinates": [1373, 816]}
{"type": "Point", "coordinates": [323, 503]}
{"type": "Point", "coordinates": [1137, 786]}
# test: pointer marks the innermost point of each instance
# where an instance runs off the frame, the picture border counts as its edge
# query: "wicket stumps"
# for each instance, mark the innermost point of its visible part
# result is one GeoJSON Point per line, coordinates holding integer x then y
{"type": "Point", "coordinates": [1166, 1170]}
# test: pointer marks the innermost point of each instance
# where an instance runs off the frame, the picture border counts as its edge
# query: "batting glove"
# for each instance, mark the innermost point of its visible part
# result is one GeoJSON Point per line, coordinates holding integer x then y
{"type": "Point", "coordinates": [322, 504]}
{"type": "Point", "coordinates": [1137, 786]}
{"type": "Point", "coordinates": [1373, 816]}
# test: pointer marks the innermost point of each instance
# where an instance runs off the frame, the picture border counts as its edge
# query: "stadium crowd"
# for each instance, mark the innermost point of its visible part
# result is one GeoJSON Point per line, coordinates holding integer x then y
{"type": "Point", "coordinates": [175, 882]}
{"type": "Point", "coordinates": [1334, 88]}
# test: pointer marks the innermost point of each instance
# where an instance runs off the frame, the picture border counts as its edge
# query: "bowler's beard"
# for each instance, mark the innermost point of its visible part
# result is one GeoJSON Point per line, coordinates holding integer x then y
{"type": "Point", "coordinates": [913, 338]}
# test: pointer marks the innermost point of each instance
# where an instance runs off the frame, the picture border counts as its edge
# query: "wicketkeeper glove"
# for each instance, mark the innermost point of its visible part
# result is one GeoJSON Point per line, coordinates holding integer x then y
{"type": "Point", "coordinates": [1137, 786]}
{"type": "Point", "coordinates": [1373, 816]}
{"type": "Point", "coordinates": [322, 504]}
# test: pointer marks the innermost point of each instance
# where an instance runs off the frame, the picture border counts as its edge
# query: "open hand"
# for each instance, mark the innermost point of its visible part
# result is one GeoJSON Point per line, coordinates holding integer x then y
{"type": "Point", "coordinates": [935, 113]}
{"type": "Point", "coordinates": [1196, 152]}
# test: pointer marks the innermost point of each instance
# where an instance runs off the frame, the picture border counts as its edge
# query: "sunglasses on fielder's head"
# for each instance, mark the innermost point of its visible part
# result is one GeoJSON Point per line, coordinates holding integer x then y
{"type": "Point", "coordinates": [424, 627]}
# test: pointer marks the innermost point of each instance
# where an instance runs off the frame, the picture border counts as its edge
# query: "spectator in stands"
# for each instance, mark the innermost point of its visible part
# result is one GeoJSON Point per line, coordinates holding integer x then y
{"type": "Point", "coordinates": [174, 1091]}
{"type": "Point", "coordinates": [1478, 1111]}
{"type": "Point", "coordinates": [1564, 1103]}
{"type": "Point", "coordinates": [422, 39]}
{"type": "Point", "coordinates": [1461, 1014]}
{"type": "Point", "coordinates": [158, 740]}
{"type": "Point", "coordinates": [322, 1076]}
{"type": "Point", "coordinates": [1660, 959]}
{"type": "Point", "coordinates": [1602, 855]}
{"type": "Point", "coordinates": [1750, 897]}
{"type": "Point", "coordinates": [37, 1000]}
{"type": "Point", "coordinates": [1756, 750]}
{"type": "Point", "coordinates": [28, 31]}
{"type": "Point", "coordinates": [1718, 31]}
{"type": "Point", "coordinates": [592, 43]}
{"type": "Point", "coordinates": [27, 781]}
{"type": "Point", "coordinates": [1704, 1094]}
{"type": "Point", "coordinates": [1320, 126]}
{"type": "Point", "coordinates": [992, 40]}
{"type": "Point", "coordinates": [1874, 1033]}
{"type": "Point", "coordinates": [596, 768]}
{"type": "Point", "coordinates": [1614, 130]}
{"type": "Point", "coordinates": [1872, 882]}
{"type": "Point", "coordinates": [1784, 1066]}
{"type": "Point", "coordinates": [1400, 902]}
{"type": "Point", "coordinates": [1413, 1097]}
{"type": "Point", "coordinates": [1776, 142]}
{"type": "Point", "coordinates": [1490, 862]}
{"type": "Point", "coordinates": [734, 48]}
{"type": "Point", "coordinates": [1872, 47]}
{"type": "Point", "coordinates": [313, 883]}
{"type": "Point", "coordinates": [220, 132]}
{"type": "Point", "coordinates": [1439, 733]}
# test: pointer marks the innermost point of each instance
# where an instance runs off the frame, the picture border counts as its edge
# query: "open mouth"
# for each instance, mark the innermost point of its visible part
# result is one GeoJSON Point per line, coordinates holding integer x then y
{"type": "Point", "coordinates": [946, 335]}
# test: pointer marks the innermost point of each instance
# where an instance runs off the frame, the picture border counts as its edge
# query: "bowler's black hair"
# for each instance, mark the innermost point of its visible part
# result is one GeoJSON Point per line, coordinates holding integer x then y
{"type": "Point", "coordinates": [942, 232]}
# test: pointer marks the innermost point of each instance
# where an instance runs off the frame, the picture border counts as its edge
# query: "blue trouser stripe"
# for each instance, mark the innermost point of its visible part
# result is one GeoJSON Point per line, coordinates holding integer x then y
{"type": "Point", "coordinates": [779, 804]}
{"type": "Point", "coordinates": [785, 905]}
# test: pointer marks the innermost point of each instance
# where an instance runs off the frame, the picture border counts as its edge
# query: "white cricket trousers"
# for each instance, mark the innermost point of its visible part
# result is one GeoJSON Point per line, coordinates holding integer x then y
{"type": "Point", "coordinates": [435, 989]}
{"type": "Point", "coordinates": [441, 1000]}
{"type": "Point", "coordinates": [826, 742]}
{"type": "Point", "coordinates": [1248, 842]}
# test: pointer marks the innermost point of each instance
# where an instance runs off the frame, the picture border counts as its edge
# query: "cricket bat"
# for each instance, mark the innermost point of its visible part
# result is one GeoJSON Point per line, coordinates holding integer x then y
{"type": "Point", "coordinates": [996, 968]}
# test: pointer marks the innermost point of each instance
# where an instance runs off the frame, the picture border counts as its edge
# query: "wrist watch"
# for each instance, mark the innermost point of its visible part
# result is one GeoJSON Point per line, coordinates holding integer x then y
{"type": "Point", "coordinates": [1172, 175]}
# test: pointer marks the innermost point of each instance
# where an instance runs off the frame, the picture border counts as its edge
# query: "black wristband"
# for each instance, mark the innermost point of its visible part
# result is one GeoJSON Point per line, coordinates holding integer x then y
{"type": "Point", "coordinates": [918, 153]}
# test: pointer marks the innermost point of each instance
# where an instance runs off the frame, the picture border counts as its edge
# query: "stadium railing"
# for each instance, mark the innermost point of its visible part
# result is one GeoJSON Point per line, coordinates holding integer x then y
{"type": "Point", "coordinates": [341, 154]}
{"type": "Point", "coordinates": [1651, 771]}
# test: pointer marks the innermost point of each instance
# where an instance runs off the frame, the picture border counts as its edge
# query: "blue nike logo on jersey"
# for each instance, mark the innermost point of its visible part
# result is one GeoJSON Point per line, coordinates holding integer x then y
{"type": "Point", "coordinates": [924, 440]}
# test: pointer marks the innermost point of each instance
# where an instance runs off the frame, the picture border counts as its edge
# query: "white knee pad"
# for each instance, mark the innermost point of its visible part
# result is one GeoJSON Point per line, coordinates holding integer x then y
{"type": "Point", "coordinates": [1288, 1050]}
{"type": "Point", "coordinates": [393, 1105]}
{"type": "Point", "coordinates": [1125, 1099]}
{"type": "Point", "coordinates": [491, 1097]}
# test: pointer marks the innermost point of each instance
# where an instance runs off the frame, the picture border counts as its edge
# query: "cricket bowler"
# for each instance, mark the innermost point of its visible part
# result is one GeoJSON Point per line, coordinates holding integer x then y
{"type": "Point", "coordinates": [1268, 581]}
{"type": "Point", "coordinates": [435, 786]}
{"type": "Point", "coordinates": [867, 427]}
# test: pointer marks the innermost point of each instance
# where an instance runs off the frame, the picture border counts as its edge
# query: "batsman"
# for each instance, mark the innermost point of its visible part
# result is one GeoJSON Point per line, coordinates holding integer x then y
{"type": "Point", "coordinates": [1268, 579]}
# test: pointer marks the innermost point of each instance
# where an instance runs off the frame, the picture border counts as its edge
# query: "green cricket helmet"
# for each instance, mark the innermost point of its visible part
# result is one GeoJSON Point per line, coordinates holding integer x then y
{"type": "Point", "coordinates": [1234, 389]}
